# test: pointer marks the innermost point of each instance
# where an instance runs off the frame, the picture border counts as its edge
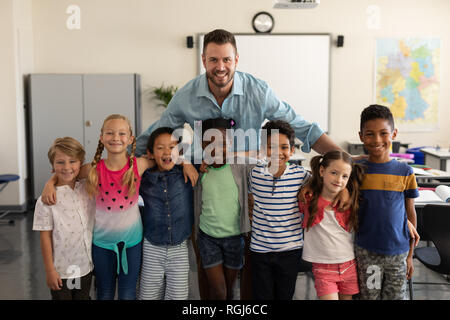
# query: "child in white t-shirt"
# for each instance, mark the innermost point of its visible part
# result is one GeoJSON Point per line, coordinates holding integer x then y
{"type": "Point", "coordinates": [328, 237]}
{"type": "Point", "coordinates": [66, 227]}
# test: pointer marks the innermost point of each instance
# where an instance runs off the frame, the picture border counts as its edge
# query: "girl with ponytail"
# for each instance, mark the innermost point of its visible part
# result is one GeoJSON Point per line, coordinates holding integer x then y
{"type": "Point", "coordinates": [328, 232]}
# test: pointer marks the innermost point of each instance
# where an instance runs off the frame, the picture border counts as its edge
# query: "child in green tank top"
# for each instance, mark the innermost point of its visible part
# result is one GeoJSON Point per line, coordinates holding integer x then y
{"type": "Point", "coordinates": [221, 213]}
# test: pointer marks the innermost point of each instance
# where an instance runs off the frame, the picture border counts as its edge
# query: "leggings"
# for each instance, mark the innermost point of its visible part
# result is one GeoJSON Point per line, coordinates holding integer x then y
{"type": "Point", "coordinates": [105, 270]}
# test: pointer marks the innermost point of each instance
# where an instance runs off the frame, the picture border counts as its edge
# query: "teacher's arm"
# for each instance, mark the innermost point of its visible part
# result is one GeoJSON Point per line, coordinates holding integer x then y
{"type": "Point", "coordinates": [312, 136]}
{"type": "Point", "coordinates": [325, 144]}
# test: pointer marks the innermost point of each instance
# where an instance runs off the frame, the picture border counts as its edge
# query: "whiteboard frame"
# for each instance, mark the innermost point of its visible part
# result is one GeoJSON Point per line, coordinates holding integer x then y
{"type": "Point", "coordinates": [326, 128]}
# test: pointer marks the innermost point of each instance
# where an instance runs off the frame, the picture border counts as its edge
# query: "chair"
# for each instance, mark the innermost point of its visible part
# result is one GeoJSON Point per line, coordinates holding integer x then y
{"type": "Point", "coordinates": [305, 268]}
{"type": "Point", "coordinates": [411, 290]}
{"type": "Point", "coordinates": [436, 223]}
{"type": "Point", "coordinates": [420, 209]}
{"type": "Point", "coordinates": [420, 229]}
{"type": "Point", "coordinates": [4, 180]}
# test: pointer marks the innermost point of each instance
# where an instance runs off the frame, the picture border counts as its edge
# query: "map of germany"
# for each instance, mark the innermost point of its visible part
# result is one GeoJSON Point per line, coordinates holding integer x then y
{"type": "Point", "coordinates": [407, 81]}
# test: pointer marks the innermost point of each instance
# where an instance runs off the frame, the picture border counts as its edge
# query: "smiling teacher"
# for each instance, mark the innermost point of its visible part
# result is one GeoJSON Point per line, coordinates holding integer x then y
{"type": "Point", "coordinates": [223, 92]}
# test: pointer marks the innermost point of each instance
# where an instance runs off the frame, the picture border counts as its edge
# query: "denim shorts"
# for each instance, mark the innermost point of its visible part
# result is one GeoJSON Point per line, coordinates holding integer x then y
{"type": "Point", "coordinates": [228, 251]}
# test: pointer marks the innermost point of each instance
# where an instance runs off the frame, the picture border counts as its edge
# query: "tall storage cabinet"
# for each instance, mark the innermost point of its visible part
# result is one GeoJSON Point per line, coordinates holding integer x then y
{"type": "Point", "coordinates": [75, 105]}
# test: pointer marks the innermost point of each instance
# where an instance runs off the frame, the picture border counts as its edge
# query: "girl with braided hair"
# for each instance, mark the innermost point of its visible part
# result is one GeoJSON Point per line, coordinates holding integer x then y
{"type": "Point", "coordinates": [114, 182]}
{"type": "Point", "coordinates": [117, 239]}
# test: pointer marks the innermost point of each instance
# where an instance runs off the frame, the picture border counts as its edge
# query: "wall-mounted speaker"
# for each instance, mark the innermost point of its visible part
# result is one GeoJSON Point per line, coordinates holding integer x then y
{"type": "Point", "coordinates": [340, 41]}
{"type": "Point", "coordinates": [190, 41]}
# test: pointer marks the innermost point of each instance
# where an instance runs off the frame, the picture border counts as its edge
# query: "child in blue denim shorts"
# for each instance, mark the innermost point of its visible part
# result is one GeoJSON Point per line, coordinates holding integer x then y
{"type": "Point", "coordinates": [221, 211]}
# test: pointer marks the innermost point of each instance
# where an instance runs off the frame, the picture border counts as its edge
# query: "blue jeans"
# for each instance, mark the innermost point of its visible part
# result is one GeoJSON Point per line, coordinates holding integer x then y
{"type": "Point", "coordinates": [105, 270]}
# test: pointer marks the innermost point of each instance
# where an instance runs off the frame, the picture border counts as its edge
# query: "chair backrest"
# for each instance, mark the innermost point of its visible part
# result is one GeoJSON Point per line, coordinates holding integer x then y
{"type": "Point", "coordinates": [423, 235]}
{"type": "Point", "coordinates": [436, 223]}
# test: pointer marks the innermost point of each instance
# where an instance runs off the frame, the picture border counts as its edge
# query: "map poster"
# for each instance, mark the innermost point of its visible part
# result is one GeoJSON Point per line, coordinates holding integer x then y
{"type": "Point", "coordinates": [407, 81]}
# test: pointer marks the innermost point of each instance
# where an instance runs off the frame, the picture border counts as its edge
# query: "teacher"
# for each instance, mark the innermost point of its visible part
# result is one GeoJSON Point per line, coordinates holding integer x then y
{"type": "Point", "coordinates": [227, 93]}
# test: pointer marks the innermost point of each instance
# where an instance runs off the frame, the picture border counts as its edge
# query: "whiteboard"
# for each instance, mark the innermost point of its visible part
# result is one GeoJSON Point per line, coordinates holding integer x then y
{"type": "Point", "coordinates": [296, 67]}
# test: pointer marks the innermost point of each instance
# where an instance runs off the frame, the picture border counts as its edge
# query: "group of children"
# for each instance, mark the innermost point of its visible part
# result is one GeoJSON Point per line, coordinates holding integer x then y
{"type": "Point", "coordinates": [273, 212]}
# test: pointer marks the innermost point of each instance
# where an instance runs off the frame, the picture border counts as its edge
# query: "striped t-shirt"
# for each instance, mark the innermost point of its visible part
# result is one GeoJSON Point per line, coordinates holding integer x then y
{"type": "Point", "coordinates": [276, 220]}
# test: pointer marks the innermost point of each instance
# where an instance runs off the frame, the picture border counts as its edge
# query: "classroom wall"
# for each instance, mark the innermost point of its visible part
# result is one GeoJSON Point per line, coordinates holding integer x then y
{"type": "Point", "coordinates": [16, 59]}
{"type": "Point", "coordinates": [149, 37]}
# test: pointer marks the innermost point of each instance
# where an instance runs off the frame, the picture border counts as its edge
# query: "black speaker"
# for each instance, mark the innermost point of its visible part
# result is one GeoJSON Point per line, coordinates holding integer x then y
{"type": "Point", "coordinates": [190, 41]}
{"type": "Point", "coordinates": [340, 41]}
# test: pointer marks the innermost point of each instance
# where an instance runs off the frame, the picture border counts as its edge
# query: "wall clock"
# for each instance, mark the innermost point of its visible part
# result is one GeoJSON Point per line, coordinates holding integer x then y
{"type": "Point", "coordinates": [263, 22]}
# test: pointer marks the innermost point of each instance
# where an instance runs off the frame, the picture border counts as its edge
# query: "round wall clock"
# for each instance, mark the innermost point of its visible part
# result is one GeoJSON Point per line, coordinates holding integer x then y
{"type": "Point", "coordinates": [263, 22]}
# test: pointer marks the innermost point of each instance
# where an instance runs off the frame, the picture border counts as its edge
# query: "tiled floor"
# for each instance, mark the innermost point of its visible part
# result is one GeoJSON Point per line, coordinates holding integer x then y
{"type": "Point", "coordinates": [22, 275]}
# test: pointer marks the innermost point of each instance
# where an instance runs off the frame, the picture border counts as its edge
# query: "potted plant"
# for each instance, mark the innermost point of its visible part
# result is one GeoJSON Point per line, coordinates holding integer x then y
{"type": "Point", "coordinates": [163, 94]}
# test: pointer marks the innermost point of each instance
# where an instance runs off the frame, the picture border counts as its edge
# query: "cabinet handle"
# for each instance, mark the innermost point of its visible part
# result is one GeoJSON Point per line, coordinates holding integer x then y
{"type": "Point", "coordinates": [88, 123]}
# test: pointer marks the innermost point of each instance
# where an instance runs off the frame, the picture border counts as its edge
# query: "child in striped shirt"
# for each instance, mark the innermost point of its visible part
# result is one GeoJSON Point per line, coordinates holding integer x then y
{"type": "Point", "coordinates": [277, 234]}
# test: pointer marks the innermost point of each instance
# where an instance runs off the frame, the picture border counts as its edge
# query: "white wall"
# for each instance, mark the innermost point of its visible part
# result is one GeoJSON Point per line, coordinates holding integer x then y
{"type": "Point", "coordinates": [16, 59]}
{"type": "Point", "coordinates": [149, 37]}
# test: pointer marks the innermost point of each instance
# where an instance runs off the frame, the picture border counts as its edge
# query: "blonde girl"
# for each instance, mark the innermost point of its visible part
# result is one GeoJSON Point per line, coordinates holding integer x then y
{"type": "Point", "coordinates": [114, 181]}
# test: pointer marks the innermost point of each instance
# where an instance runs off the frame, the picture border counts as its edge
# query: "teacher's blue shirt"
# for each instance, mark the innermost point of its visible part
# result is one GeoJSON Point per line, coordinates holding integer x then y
{"type": "Point", "coordinates": [250, 102]}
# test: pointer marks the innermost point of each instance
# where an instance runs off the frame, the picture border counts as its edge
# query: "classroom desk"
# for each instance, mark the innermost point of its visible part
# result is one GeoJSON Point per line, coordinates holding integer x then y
{"type": "Point", "coordinates": [438, 159]}
{"type": "Point", "coordinates": [356, 147]}
{"type": "Point", "coordinates": [430, 175]}
{"type": "Point", "coordinates": [297, 158]}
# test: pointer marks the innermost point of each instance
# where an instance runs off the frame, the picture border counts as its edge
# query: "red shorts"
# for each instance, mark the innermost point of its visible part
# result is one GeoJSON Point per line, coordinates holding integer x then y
{"type": "Point", "coordinates": [337, 277]}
